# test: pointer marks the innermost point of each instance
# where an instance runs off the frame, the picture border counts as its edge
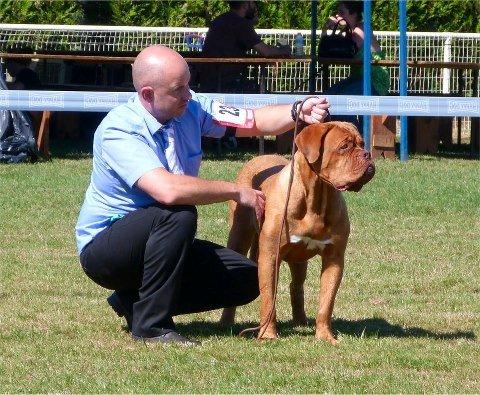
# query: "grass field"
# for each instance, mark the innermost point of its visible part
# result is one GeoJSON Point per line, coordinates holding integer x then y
{"type": "Point", "coordinates": [407, 313]}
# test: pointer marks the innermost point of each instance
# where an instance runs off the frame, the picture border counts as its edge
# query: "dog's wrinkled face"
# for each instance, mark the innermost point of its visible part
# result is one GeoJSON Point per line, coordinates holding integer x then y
{"type": "Point", "coordinates": [335, 151]}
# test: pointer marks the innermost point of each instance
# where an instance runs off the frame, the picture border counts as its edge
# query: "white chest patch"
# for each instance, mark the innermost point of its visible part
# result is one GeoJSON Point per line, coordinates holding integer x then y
{"type": "Point", "coordinates": [311, 244]}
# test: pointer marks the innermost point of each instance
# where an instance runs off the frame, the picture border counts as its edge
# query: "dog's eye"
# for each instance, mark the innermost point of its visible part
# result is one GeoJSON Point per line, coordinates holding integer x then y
{"type": "Point", "coordinates": [344, 147]}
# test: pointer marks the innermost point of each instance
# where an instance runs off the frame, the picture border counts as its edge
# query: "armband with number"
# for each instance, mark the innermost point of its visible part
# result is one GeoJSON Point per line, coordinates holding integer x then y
{"type": "Point", "coordinates": [232, 116]}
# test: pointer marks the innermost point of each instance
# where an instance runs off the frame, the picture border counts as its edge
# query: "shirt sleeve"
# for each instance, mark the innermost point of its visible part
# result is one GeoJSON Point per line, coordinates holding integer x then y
{"type": "Point", "coordinates": [247, 35]}
{"type": "Point", "coordinates": [128, 155]}
{"type": "Point", "coordinates": [209, 127]}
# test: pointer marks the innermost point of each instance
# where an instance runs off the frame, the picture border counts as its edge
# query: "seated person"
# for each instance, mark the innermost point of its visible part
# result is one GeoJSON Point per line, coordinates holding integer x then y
{"type": "Point", "coordinates": [232, 35]}
{"type": "Point", "coordinates": [23, 77]}
{"type": "Point", "coordinates": [352, 13]}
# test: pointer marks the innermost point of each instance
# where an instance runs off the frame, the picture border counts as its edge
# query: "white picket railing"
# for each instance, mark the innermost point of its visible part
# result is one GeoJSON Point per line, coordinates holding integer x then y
{"type": "Point", "coordinates": [107, 39]}
{"type": "Point", "coordinates": [285, 78]}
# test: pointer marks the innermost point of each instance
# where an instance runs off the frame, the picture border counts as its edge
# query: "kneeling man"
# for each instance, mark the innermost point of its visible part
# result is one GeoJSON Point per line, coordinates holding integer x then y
{"type": "Point", "coordinates": [136, 229]}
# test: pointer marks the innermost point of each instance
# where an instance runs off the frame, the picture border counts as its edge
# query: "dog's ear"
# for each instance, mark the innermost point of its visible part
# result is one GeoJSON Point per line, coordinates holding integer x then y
{"type": "Point", "coordinates": [310, 140]}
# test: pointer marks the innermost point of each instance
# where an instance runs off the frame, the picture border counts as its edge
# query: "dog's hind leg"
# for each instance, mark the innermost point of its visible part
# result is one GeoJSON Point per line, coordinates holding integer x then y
{"type": "Point", "coordinates": [240, 239]}
{"type": "Point", "coordinates": [298, 271]}
{"type": "Point", "coordinates": [242, 229]}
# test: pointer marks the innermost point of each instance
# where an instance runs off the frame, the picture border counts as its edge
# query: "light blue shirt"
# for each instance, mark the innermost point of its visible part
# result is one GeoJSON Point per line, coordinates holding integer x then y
{"type": "Point", "coordinates": [127, 144]}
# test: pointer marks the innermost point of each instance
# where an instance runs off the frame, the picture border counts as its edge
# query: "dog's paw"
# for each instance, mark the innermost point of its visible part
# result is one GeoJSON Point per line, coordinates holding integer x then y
{"type": "Point", "coordinates": [326, 334]}
{"type": "Point", "coordinates": [300, 320]}
{"type": "Point", "coordinates": [267, 335]}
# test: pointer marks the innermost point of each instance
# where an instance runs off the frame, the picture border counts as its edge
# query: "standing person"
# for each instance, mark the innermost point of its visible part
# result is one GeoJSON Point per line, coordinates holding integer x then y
{"type": "Point", "coordinates": [232, 35]}
{"type": "Point", "coordinates": [136, 229]}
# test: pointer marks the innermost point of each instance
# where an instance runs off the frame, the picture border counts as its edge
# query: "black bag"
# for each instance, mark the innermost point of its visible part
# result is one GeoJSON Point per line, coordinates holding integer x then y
{"type": "Point", "coordinates": [17, 143]}
{"type": "Point", "coordinates": [336, 45]}
{"type": "Point", "coordinates": [16, 137]}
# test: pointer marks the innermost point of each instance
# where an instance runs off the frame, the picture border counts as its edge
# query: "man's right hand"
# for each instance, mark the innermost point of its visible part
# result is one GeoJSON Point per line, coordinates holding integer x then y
{"type": "Point", "coordinates": [254, 199]}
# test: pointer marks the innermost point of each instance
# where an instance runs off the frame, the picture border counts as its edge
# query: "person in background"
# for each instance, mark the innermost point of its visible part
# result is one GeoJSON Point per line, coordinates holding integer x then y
{"type": "Point", "coordinates": [351, 12]}
{"type": "Point", "coordinates": [232, 35]}
{"type": "Point", "coordinates": [23, 77]}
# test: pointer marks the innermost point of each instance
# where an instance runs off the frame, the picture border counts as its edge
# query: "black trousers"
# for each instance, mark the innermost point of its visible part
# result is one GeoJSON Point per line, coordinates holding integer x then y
{"type": "Point", "coordinates": [152, 260]}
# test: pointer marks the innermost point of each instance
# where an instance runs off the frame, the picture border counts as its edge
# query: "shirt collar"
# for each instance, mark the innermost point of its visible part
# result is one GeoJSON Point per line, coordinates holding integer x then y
{"type": "Point", "coordinates": [153, 125]}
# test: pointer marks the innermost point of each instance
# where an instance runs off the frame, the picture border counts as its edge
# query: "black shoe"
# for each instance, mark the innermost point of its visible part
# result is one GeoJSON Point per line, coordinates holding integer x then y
{"type": "Point", "coordinates": [117, 306]}
{"type": "Point", "coordinates": [170, 337]}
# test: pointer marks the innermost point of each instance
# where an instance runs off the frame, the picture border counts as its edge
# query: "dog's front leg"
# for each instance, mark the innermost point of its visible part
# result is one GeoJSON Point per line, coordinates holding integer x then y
{"type": "Point", "coordinates": [298, 271]}
{"type": "Point", "coordinates": [330, 278]}
{"type": "Point", "coordinates": [266, 282]}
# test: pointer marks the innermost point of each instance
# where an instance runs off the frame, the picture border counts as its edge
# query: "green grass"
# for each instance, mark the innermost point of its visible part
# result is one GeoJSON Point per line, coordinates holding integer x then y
{"type": "Point", "coordinates": [407, 313]}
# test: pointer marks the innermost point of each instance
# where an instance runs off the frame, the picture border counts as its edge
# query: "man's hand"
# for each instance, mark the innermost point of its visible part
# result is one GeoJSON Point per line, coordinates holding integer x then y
{"type": "Point", "coordinates": [277, 119]}
{"type": "Point", "coordinates": [333, 20]}
{"type": "Point", "coordinates": [254, 199]}
{"type": "Point", "coordinates": [314, 110]}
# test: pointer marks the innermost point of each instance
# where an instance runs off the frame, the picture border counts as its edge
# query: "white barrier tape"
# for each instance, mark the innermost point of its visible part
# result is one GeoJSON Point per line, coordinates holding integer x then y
{"type": "Point", "coordinates": [340, 105]}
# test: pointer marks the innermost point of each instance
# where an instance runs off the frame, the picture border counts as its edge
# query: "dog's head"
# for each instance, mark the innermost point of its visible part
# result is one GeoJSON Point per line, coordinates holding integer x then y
{"type": "Point", "coordinates": [335, 152]}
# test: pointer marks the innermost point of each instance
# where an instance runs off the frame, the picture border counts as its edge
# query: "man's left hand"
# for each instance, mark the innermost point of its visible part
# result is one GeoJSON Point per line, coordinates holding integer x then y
{"type": "Point", "coordinates": [314, 110]}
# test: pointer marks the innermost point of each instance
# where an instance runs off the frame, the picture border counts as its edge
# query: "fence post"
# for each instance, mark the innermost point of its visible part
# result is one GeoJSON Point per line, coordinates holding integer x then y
{"type": "Point", "coordinates": [447, 57]}
{"type": "Point", "coordinates": [367, 67]}
{"type": "Point", "coordinates": [402, 10]}
{"type": "Point", "coordinates": [312, 86]}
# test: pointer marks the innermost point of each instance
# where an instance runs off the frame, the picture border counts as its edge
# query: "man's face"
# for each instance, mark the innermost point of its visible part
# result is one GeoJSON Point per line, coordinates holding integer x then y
{"type": "Point", "coordinates": [344, 13]}
{"type": "Point", "coordinates": [171, 96]}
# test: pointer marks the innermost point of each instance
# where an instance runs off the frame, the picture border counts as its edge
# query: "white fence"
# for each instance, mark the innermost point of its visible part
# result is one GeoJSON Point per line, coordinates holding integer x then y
{"type": "Point", "coordinates": [285, 78]}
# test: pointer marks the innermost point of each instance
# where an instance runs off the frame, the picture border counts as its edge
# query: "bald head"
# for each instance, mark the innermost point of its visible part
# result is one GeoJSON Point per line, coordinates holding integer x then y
{"type": "Point", "coordinates": [161, 78]}
{"type": "Point", "coordinates": [155, 65]}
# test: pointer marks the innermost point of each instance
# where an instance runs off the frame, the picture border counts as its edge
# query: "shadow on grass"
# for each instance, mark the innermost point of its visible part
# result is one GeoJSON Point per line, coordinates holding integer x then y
{"type": "Point", "coordinates": [81, 148]}
{"type": "Point", "coordinates": [457, 151]}
{"type": "Point", "coordinates": [366, 328]}
{"type": "Point", "coordinates": [453, 151]}
{"type": "Point", "coordinates": [73, 149]}
{"type": "Point", "coordinates": [378, 327]}
{"type": "Point", "coordinates": [76, 149]}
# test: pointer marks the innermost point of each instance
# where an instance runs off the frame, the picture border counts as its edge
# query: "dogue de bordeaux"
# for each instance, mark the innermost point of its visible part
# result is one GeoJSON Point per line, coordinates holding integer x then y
{"type": "Point", "coordinates": [330, 159]}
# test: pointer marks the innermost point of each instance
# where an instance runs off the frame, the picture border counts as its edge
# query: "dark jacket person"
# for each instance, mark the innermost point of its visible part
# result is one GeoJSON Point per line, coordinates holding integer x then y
{"type": "Point", "coordinates": [232, 35]}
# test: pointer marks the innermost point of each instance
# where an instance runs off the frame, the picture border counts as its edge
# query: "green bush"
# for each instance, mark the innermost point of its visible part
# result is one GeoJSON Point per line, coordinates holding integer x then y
{"type": "Point", "coordinates": [41, 11]}
{"type": "Point", "coordinates": [423, 15]}
{"type": "Point", "coordinates": [193, 13]}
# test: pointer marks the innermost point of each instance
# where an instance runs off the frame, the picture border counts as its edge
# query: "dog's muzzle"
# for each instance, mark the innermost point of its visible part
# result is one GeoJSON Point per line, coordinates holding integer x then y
{"type": "Point", "coordinates": [366, 177]}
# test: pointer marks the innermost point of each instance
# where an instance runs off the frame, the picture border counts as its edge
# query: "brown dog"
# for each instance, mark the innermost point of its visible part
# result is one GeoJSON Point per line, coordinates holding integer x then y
{"type": "Point", "coordinates": [330, 159]}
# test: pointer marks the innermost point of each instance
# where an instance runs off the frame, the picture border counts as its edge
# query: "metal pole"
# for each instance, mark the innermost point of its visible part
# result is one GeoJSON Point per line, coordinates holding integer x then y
{"type": "Point", "coordinates": [312, 85]}
{"type": "Point", "coordinates": [402, 10]}
{"type": "Point", "coordinates": [475, 123]}
{"type": "Point", "coordinates": [261, 139]}
{"type": "Point", "coordinates": [367, 66]}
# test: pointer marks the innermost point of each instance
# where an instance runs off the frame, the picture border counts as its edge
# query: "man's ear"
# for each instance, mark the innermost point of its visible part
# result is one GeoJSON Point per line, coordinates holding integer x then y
{"type": "Point", "coordinates": [147, 94]}
{"type": "Point", "coordinates": [310, 140]}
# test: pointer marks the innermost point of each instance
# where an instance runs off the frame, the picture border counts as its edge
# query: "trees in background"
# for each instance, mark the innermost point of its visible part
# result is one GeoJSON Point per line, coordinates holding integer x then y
{"type": "Point", "coordinates": [423, 15]}
{"type": "Point", "coordinates": [46, 12]}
